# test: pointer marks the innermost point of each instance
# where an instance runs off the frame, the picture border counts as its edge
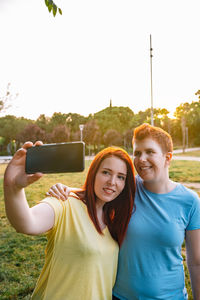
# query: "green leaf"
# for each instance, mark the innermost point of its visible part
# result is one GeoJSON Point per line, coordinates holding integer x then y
{"type": "Point", "coordinates": [54, 10]}
{"type": "Point", "coordinates": [50, 7]}
{"type": "Point", "coordinates": [46, 2]}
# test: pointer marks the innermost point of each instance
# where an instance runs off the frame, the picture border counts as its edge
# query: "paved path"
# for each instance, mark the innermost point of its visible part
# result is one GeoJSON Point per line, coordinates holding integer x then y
{"type": "Point", "coordinates": [181, 157]}
{"type": "Point", "coordinates": [186, 150]}
{"type": "Point", "coordinates": [5, 159]}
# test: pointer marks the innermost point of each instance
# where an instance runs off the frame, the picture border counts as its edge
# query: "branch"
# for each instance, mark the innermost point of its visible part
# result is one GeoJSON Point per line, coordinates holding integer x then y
{"type": "Point", "coordinates": [5, 101]}
{"type": "Point", "coordinates": [52, 7]}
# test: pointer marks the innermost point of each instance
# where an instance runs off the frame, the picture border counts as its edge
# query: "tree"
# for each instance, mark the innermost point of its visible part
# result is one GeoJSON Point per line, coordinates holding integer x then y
{"type": "Point", "coordinates": [75, 136]}
{"type": "Point", "coordinates": [193, 123]}
{"type": "Point", "coordinates": [52, 7]}
{"type": "Point", "coordinates": [58, 119]}
{"type": "Point", "coordinates": [128, 137]}
{"type": "Point", "coordinates": [43, 122]}
{"type": "Point", "coordinates": [161, 118]}
{"type": "Point", "coordinates": [188, 118]}
{"type": "Point", "coordinates": [198, 94]}
{"type": "Point", "coordinates": [32, 133]}
{"type": "Point", "coordinates": [141, 117]}
{"type": "Point", "coordinates": [112, 138]}
{"type": "Point", "coordinates": [91, 134]}
{"type": "Point", "coordinates": [60, 134]}
{"type": "Point", "coordinates": [73, 121]}
{"type": "Point", "coordinates": [5, 101]}
{"type": "Point", "coordinates": [70, 120]}
{"type": "Point", "coordinates": [118, 118]}
{"type": "Point", "coordinates": [11, 126]}
{"type": "Point", "coordinates": [89, 131]}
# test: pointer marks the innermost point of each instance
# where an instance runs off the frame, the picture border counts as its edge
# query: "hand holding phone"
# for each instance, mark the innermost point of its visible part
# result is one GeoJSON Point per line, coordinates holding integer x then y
{"type": "Point", "coordinates": [56, 158]}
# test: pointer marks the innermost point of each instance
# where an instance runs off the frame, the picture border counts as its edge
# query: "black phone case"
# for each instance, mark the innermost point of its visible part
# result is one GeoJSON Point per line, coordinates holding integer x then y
{"type": "Point", "coordinates": [56, 158]}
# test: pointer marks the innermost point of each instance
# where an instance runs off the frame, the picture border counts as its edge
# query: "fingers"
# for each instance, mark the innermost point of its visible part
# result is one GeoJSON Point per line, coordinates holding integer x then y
{"type": "Point", "coordinates": [55, 192]}
{"type": "Point", "coordinates": [59, 191]}
{"type": "Point", "coordinates": [19, 153]}
{"type": "Point", "coordinates": [22, 151]}
{"type": "Point", "coordinates": [27, 145]}
{"type": "Point", "coordinates": [30, 144]}
{"type": "Point", "coordinates": [38, 143]}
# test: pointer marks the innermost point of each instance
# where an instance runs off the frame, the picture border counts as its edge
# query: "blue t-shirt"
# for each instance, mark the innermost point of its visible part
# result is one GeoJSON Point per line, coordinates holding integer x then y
{"type": "Point", "coordinates": [150, 263]}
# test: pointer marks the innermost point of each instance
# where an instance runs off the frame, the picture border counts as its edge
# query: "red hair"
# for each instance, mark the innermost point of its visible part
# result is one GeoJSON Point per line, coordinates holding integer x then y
{"type": "Point", "coordinates": [117, 213]}
{"type": "Point", "coordinates": [156, 133]}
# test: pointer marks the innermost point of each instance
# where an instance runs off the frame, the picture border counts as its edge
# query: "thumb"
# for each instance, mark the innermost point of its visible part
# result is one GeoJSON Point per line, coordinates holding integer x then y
{"type": "Point", "coordinates": [19, 153]}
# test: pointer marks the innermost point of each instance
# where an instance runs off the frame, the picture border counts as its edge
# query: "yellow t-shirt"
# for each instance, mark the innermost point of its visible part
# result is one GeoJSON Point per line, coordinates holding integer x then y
{"type": "Point", "coordinates": [80, 264]}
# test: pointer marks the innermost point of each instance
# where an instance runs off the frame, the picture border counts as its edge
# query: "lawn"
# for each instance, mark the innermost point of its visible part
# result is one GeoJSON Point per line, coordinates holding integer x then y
{"type": "Point", "coordinates": [185, 171]}
{"type": "Point", "coordinates": [191, 153]}
{"type": "Point", "coordinates": [22, 257]}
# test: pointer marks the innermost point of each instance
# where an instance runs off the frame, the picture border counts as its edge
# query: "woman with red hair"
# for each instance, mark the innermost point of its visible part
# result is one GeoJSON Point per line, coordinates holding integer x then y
{"type": "Point", "coordinates": [84, 233]}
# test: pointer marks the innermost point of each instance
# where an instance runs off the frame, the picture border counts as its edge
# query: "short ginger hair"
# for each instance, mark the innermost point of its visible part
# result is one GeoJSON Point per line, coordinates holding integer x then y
{"type": "Point", "coordinates": [156, 133]}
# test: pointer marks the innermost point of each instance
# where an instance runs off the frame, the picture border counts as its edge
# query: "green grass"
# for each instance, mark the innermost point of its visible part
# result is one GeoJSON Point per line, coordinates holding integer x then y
{"type": "Point", "coordinates": [185, 171]}
{"type": "Point", "coordinates": [22, 257]}
{"type": "Point", "coordinates": [191, 153]}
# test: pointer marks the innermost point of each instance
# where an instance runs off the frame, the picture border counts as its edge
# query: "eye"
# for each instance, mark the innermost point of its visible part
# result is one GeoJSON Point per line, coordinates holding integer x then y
{"type": "Point", "coordinates": [105, 172]}
{"type": "Point", "coordinates": [121, 177]}
{"type": "Point", "coordinates": [150, 151]}
{"type": "Point", "coordinates": [136, 153]}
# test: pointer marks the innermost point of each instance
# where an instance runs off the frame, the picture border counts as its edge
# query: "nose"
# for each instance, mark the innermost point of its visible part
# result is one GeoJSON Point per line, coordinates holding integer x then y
{"type": "Point", "coordinates": [112, 180]}
{"type": "Point", "coordinates": [142, 157]}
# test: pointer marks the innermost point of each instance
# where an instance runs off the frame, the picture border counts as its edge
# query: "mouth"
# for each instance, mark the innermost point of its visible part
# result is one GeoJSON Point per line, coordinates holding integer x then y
{"type": "Point", "coordinates": [108, 191]}
{"type": "Point", "coordinates": [145, 168]}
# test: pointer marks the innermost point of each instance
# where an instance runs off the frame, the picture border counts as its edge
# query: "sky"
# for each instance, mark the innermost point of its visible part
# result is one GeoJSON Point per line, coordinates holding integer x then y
{"type": "Point", "coordinates": [96, 51]}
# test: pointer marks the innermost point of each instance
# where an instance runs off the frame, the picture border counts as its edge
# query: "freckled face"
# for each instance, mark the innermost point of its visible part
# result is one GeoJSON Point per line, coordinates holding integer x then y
{"type": "Point", "coordinates": [110, 179]}
{"type": "Point", "coordinates": [149, 160]}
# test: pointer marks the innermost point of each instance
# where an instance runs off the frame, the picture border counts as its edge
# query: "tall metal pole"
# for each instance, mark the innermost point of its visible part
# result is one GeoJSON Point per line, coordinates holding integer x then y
{"type": "Point", "coordinates": [151, 55]}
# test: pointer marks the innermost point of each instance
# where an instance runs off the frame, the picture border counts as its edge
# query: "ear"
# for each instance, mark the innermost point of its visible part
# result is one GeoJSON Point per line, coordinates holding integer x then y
{"type": "Point", "coordinates": [168, 156]}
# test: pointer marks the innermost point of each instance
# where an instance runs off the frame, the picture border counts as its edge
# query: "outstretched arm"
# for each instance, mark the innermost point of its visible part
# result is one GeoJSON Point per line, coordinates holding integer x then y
{"type": "Point", "coordinates": [193, 260]}
{"type": "Point", "coordinates": [35, 220]}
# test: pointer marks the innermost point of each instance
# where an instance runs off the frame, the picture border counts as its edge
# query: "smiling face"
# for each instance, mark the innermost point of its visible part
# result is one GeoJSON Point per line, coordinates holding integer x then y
{"type": "Point", "coordinates": [110, 179]}
{"type": "Point", "coordinates": [150, 161]}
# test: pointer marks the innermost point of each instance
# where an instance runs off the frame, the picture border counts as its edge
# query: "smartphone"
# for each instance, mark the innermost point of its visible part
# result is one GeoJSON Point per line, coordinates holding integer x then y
{"type": "Point", "coordinates": [56, 158]}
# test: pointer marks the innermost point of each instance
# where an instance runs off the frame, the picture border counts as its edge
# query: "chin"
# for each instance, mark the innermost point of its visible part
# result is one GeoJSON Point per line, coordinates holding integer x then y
{"type": "Point", "coordinates": [147, 178]}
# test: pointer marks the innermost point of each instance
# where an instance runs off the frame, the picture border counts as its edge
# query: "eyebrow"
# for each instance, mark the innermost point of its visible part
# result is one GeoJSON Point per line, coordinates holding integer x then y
{"type": "Point", "coordinates": [149, 149]}
{"type": "Point", "coordinates": [138, 150]}
{"type": "Point", "coordinates": [111, 171]}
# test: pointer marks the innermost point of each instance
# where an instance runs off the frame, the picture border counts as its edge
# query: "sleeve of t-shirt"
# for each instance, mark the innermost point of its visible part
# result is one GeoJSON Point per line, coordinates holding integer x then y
{"type": "Point", "coordinates": [194, 217]}
{"type": "Point", "coordinates": [58, 207]}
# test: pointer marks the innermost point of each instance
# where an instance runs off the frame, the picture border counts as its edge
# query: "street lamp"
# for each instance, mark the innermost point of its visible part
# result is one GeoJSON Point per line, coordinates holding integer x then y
{"type": "Point", "coordinates": [81, 126]}
{"type": "Point", "coordinates": [151, 55]}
